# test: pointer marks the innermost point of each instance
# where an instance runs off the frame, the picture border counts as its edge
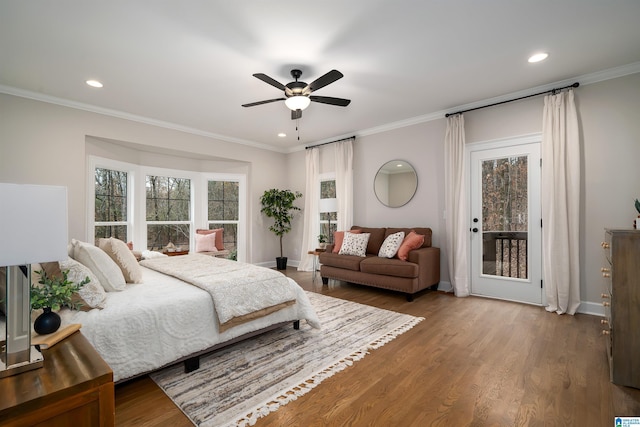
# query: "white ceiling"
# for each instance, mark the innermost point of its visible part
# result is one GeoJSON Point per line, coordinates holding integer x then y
{"type": "Point", "coordinates": [189, 64]}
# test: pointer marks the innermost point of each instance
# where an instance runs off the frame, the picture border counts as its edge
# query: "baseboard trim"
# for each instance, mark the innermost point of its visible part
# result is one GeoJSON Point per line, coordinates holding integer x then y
{"type": "Point", "coordinates": [592, 308]}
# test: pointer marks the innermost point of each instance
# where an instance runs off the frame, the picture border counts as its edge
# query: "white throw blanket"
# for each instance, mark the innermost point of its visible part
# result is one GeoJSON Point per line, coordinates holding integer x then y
{"type": "Point", "coordinates": [237, 288]}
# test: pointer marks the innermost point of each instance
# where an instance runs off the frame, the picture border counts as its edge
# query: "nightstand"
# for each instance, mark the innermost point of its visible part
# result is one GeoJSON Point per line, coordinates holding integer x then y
{"type": "Point", "coordinates": [73, 388]}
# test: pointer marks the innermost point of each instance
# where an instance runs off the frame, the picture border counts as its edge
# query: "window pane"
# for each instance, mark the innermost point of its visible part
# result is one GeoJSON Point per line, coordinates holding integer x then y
{"type": "Point", "coordinates": [223, 200]}
{"type": "Point", "coordinates": [105, 231]}
{"type": "Point", "coordinates": [159, 236]}
{"type": "Point", "coordinates": [328, 189]}
{"type": "Point", "coordinates": [111, 195]}
{"type": "Point", "coordinates": [168, 199]}
{"type": "Point", "coordinates": [229, 235]}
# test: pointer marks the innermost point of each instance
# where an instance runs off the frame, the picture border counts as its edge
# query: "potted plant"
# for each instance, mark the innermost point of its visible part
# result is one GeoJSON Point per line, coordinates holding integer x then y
{"type": "Point", "coordinates": [322, 240]}
{"type": "Point", "coordinates": [278, 204]}
{"type": "Point", "coordinates": [56, 292]}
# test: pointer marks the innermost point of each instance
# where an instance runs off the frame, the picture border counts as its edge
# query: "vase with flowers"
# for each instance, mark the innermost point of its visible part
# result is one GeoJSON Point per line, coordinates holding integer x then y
{"type": "Point", "coordinates": [55, 291]}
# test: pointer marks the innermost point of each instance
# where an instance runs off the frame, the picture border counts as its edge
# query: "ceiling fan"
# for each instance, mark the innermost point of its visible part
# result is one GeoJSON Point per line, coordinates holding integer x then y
{"type": "Point", "coordinates": [298, 94]}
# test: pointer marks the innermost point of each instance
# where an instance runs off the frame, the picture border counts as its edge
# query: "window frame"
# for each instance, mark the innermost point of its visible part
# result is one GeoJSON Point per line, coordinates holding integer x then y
{"type": "Point", "coordinates": [136, 200]}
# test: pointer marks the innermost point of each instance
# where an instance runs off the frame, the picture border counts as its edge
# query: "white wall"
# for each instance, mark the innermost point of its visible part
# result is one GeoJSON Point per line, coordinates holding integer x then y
{"type": "Point", "coordinates": [43, 143]}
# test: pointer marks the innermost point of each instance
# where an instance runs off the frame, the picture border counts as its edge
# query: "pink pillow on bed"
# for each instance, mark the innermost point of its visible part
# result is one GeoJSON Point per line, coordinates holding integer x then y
{"type": "Point", "coordinates": [206, 242]}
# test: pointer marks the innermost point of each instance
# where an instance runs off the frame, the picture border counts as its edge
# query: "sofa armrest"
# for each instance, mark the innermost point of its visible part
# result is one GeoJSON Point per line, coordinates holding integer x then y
{"type": "Point", "coordinates": [329, 247]}
{"type": "Point", "coordinates": [428, 260]}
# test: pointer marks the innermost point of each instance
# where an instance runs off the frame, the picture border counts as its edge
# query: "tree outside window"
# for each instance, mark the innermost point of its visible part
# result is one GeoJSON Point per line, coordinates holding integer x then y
{"type": "Point", "coordinates": [168, 212]}
{"type": "Point", "coordinates": [329, 214]}
{"type": "Point", "coordinates": [110, 204]}
{"type": "Point", "coordinates": [223, 206]}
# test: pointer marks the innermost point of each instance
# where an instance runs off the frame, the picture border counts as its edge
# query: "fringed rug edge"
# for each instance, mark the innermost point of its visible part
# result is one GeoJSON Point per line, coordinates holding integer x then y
{"type": "Point", "coordinates": [275, 403]}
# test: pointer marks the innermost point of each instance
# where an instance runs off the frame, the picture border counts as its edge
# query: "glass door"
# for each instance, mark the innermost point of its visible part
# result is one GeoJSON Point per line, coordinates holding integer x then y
{"type": "Point", "coordinates": [505, 223]}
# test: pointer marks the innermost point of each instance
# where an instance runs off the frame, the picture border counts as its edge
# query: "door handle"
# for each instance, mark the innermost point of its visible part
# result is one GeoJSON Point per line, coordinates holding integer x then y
{"type": "Point", "coordinates": [475, 230]}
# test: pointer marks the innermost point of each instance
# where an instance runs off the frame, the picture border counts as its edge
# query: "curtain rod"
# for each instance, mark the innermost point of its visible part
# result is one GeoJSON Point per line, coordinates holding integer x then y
{"type": "Point", "coordinates": [576, 84]}
{"type": "Point", "coordinates": [331, 142]}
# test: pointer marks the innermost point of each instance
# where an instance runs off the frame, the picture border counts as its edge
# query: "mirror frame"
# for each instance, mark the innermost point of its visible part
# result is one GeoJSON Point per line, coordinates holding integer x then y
{"type": "Point", "coordinates": [387, 170]}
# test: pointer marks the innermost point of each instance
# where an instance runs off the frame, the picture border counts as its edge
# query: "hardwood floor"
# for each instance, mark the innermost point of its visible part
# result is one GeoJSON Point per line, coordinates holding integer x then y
{"type": "Point", "coordinates": [471, 362]}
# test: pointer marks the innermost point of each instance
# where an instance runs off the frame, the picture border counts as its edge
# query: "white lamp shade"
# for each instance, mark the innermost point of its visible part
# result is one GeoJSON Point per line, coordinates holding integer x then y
{"type": "Point", "coordinates": [328, 205]}
{"type": "Point", "coordinates": [33, 224]}
{"type": "Point", "coordinates": [298, 102]}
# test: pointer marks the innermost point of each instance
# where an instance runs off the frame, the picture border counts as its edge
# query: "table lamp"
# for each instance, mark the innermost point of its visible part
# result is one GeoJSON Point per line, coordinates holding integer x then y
{"type": "Point", "coordinates": [33, 229]}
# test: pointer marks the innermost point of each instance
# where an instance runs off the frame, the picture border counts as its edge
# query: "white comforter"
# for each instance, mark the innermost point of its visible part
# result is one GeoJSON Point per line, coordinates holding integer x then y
{"type": "Point", "coordinates": [163, 319]}
{"type": "Point", "coordinates": [237, 289]}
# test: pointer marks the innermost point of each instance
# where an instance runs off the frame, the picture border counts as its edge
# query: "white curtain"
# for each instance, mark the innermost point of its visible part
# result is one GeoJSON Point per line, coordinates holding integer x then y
{"type": "Point", "coordinates": [344, 183]}
{"type": "Point", "coordinates": [561, 203]}
{"type": "Point", "coordinates": [456, 224]}
{"type": "Point", "coordinates": [311, 210]}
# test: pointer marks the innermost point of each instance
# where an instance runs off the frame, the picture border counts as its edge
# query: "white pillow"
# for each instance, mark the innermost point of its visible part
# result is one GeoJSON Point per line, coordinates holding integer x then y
{"type": "Point", "coordinates": [146, 254]}
{"type": "Point", "coordinates": [206, 242]}
{"type": "Point", "coordinates": [391, 245]}
{"type": "Point", "coordinates": [97, 260]}
{"type": "Point", "coordinates": [92, 293]}
{"type": "Point", "coordinates": [119, 252]}
{"type": "Point", "coordinates": [354, 244]}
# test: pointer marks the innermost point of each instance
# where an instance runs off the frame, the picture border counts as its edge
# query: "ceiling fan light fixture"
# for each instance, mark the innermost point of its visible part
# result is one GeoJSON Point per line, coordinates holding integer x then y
{"type": "Point", "coordinates": [297, 102]}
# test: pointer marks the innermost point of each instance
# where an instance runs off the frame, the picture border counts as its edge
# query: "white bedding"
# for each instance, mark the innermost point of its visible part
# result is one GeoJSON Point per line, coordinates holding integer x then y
{"type": "Point", "coordinates": [163, 319]}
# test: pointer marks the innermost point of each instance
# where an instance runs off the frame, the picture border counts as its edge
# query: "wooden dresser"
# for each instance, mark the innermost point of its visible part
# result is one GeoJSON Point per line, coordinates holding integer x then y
{"type": "Point", "coordinates": [73, 388]}
{"type": "Point", "coordinates": [621, 300]}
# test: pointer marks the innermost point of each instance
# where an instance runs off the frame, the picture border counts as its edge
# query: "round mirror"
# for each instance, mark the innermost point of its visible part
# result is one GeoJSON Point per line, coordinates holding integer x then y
{"type": "Point", "coordinates": [395, 184]}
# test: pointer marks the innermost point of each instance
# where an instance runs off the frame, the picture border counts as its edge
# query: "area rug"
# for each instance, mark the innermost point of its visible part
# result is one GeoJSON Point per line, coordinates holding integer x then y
{"type": "Point", "coordinates": [239, 384]}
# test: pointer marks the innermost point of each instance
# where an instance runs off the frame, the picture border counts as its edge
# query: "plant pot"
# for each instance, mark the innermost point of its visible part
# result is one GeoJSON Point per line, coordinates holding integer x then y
{"type": "Point", "coordinates": [322, 245]}
{"type": "Point", "coordinates": [47, 323]}
{"type": "Point", "coordinates": [281, 263]}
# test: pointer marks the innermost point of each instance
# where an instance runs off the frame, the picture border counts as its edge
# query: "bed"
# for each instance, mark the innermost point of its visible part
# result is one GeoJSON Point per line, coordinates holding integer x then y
{"type": "Point", "coordinates": [164, 320]}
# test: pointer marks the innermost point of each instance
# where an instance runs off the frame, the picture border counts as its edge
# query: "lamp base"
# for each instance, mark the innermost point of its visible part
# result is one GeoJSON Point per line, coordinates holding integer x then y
{"type": "Point", "coordinates": [7, 369]}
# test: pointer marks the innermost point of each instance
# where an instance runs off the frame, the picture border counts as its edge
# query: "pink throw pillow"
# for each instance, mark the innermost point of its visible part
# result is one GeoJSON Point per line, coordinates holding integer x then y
{"type": "Point", "coordinates": [206, 242]}
{"type": "Point", "coordinates": [338, 238]}
{"type": "Point", "coordinates": [218, 231]}
{"type": "Point", "coordinates": [411, 242]}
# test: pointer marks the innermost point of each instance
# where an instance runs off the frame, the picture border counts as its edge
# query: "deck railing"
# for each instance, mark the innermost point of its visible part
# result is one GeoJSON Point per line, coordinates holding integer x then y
{"type": "Point", "coordinates": [504, 253]}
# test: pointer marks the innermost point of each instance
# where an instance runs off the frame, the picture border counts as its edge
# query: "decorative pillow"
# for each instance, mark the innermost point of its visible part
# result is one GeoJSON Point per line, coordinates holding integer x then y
{"type": "Point", "coordinates": [355, 244]}
{"type": "Point", "coordinates": [91, 294]}
{"type": "Point", "coordinates": [219, 239]}
{"type": "Point", "coordinates": [206, 242]}
{"type": "Point", "coordinates": [411, 242]}
{"type": "Point", "coordinates": [146, 254]}
{"type": "Point", "coordinates": [123, 257]}
{"type": "Point", "coordinates": [338, 238]}
{"type": "Point", "coordinates": [391, 245]}
{"type": "Point", "coordinates": [101, 264]}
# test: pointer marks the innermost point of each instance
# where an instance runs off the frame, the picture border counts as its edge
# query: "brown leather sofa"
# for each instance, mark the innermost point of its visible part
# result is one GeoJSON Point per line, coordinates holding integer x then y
{"type": "Point", "coordinates": [420, 271]}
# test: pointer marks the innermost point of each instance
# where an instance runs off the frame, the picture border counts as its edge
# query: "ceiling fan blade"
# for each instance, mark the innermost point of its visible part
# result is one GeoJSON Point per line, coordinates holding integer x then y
{"type": "Point", "coordinates": [269, 80]}
{"type": "Point", "coordinates": [340, 102]}
{"type": "Point", "coordinates": [253, 104]}
{"type": "Point", "coordinates": [322, 81]}
{"type": "Point", "coordinates": [296, 114]}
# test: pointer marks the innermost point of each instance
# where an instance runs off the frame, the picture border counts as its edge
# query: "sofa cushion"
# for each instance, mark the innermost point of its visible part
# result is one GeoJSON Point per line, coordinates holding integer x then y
{"type": "Point", "coordinates": [391, 245]}
{"type": "Point", "coordinates": [347, 262]}
{"type": "Point", "coordinates": [411, 242]}
{"type": "Point", "coordinates": [354, 244]}
{"type": "Point", "coordinates": [425, 231]}
{"type": "Point", "coordinates": [338, 238]}
{"type": "Point", "coordinates": [375, 240]}
{"type": "Point", "coordinates": [389, 267]}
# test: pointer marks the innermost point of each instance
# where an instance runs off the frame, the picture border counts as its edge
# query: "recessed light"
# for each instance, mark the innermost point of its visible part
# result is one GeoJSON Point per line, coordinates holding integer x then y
{"type": "Point", "coordinates": [282, 134]}
{"type": "Point", "coordinates": [538, 57]}
{"type": "Point", "coordinates": [94, 83]}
